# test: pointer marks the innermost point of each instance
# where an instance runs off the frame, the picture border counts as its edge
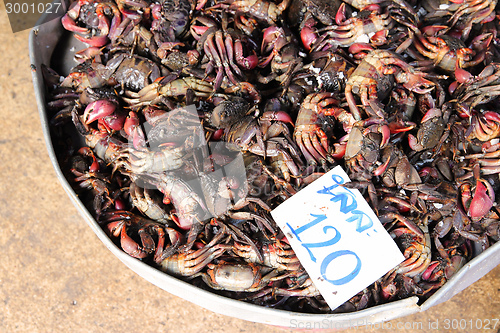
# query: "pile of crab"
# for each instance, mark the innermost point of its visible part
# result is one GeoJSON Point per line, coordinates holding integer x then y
{"type": "Point", "coordinates": [200, 118]}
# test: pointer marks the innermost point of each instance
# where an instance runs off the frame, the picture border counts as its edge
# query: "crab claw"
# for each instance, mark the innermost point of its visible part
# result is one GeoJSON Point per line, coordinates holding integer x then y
{"type": "Point", "coordinates": [308, 34]}
{"type": "Point", "coordinates": [492, 116]}
{"type": "Point", "coordinates": [360, 50]}
{"type": "Point", "coordinates": [388, 285]}
{"type": "Point", "coordinates": [86, 151]}
{"type": "Point", "coordinates": [340, 16]}
{"type": "Point", "coordinates": [249, 62]}
{"type": "Point", "coordinates": [400, 126]}
{"type": "Point", "coordinates": [279, 116]}
{"type": "Point", "coordinates": [97, 110]}
{"type": "Point", "coordinates": [429, 272]}
{"type": "Point", "coordinates": [490, 146]}
{"type": "Point", "coordinates": [273, 38]}
{"type": "Point", "coordinates": [218, 134]}
{"type": "Point", "coordinates": [96, 41]}
{"type": "Point", "coordinates": [415, 82]}
{"type": "Point", "coordinates": [119, 229]}
{"type": "Point", "coordinates": [482, 41]}
{"type": "Point", "coordinates": [452, 87]}
{"type": "Point", "coordinates": [380, 37]}
{"type": "Point", "coordinates": [134, 131]}
{"type": "Point", "coordinates": [199, 30]}
{"type": "Point", "coordinates": [431, 113]}
{"type": "Point", "coordinates": [113, 122]}
{"type": "Point", "coordinates": [481, 202]}
{"type": "Point", "coordinates": [69, 24]}
{"type": "Point", "coordinates": [68, 20]}
{"type": "Point", "coordinates": [413, 143]}
{"type": "Point", "coordinates": [155, 11]}
{"type": "Point", "coordinates": [462, 76]}
{"type": "Point", "coordinates": [456, 262]}
{"type": "Point", "coordinates": [486, 126]}
{"type": "Point", "coordinates": [433, 30]}
{"type": "Point", "coordinates": [131, 247]}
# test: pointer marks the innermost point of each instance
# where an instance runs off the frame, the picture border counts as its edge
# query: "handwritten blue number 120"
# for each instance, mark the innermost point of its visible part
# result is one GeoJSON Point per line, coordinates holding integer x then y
{"type": "Point", "coordinates": [332, 256]}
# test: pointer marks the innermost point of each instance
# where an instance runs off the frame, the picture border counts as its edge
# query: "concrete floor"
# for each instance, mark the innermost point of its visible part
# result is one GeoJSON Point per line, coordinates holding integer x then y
{"type": "Point", "coordinates": [56, 275]}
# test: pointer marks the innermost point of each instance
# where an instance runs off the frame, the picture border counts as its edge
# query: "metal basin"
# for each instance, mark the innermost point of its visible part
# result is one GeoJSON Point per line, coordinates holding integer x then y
{"type": "Point", "coordinates": [48, 46]}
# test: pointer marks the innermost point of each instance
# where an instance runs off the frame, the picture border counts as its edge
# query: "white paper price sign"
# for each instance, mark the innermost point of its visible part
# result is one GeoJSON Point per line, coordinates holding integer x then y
{"type": "Point", "coordinates": [337, 237]}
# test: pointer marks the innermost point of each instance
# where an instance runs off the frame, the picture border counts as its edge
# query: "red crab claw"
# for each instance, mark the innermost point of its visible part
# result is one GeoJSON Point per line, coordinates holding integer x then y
{"type": "Point", "coordinates": [492, 116]}
{"type": "Point", "coordinates": [416, 82]}
{"type": "Point", "coordinates": [106, 113]}
{"type": "Point", "coordinates": [490, 146]}
{"type": "Point", "coordinates": [452, 87]}
{"type": "Point", "coordinates": [103, 27]}
{"type": "Point", "coordinates": [271, 34]}
{"type": "Point", "coordinates": [130, 246]}
{"type": "Point", "coordinates": [120, 204]}
{"type": "Point", "coordinates": [271, 42]}
{"type": "Point", "coordinates": [486, 126]}
{"type": "Point", "coordinates": [434, 30]}
{"type": "Point", "coordinates": [68, 20]}
{"type": "Point", "coordinates": [96, 41]}
{"type": "Point", "coordinates": [69, 24]}
{"type": "Point", "coordinates": [249, 62]}
{"type": "Point", "coordinates": [200, 25]}
{"type": "Point", "coordinates": [119, 221]}
{"type": "Point", "coordinates": [218, 134]}
{"type": "Point", "coordinates": [308, 34]}
{"type": "Point", "coordinates": [482, 200]}
{"type": "Point", "coordinates": [413, 142]}
{"type": "Point", "coordinates": [456, 262]}
{"type": "Point", "coordinates": [134, 131]}
{"type": "Point", "coordinates": [114, 30]}
{"type": "Point", "coordinates": [360, 50]}
{"type": "Point", "coordinates": [431, 113]}
{"type": "Point", "coordinates": [377, 125]}
{"type": "Point", "coordinates": [156, 11]}
{"type": "Point", "coordinates": [429, 273]}
{"type": "Point", "coordinates": [86, 151]}
{"type": "Point", "coordinates": [339, 150]}
{"type": "Point", "coordinates": [388, 286]}
{"type": "Point", "coordinates": [482, 41]}
{"type": "Point", "coordinates": [340, 16]}
{"type": "Point", "coordinates": [97, 110]}
{"type": "Point", "coordinates": [278, 115]}
{"type": "Point", "coordinates": [372, 8]}
{"type": "Point", "coordinates": [119, 228]}
{"type": "Point", "coordinates": [382, 168]}
{"type": "Point", "coordinates": [428, 171]}
{"type": "Point", "coordinates": [462, 76]}
{"type": "Point", "coordinates": [400, 126]}
{"type": "Point", "coordinates": [164, 48]}
{"type": "Point", "coordinates": [199, 30]}
{"type": "Point", "coordinates": [380, 37]}
{"type": "Point", "coordinates": [113, 122]}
